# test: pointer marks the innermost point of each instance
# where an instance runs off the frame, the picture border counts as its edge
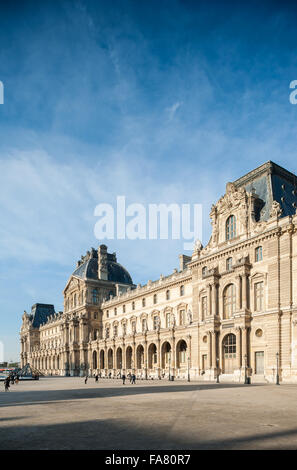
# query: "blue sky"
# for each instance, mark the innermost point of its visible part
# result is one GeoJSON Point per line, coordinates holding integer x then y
{"type": "Point", "coordinates": [160, 101]}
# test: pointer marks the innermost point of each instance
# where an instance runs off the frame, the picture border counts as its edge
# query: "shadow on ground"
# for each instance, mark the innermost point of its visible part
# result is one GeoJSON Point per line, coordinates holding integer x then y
{"type": "Point", "coordinates": [29, 397]}
{"type": "Point", "coordinates": [117, 435]}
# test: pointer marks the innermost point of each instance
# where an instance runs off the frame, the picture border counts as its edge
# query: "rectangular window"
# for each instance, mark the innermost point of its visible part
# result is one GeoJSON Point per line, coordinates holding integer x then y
{"type": "Point", "coordinates": [182, 317]}
{"type": "Point", "coordinates": [204, 308]}
{"type": "Point", "coordinates": [259, 362]}
{"type": "Point", "coordinates": [259, 253]}
{"type": "Point", "coordinates": [259, 296]}
{"type": "Point", "coordinates": [156, 321]}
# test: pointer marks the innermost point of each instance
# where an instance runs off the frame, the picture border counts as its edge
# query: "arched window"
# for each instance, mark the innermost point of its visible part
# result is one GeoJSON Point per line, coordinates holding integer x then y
{"type": "Point", "coordinates": [107, 333]}
{"type": "Point", "coordinates": [124, 308]}
{"type": "Point", "coordinates": [143, 302]}
{"type": "Point", "coordinates": [258, 254]}
{"type": "Point", "coordinates": [95, 297]}
{"type": "Point", "coordinates": [124, 329]}
{"type": "Point", "coordinates": [156, 322]}
{"type": "Point", "coordinates": [229, 301]}
{"type": "Point", "coordinates": [230, 228]}
{"type": "Point", "coordinates": [115, 331]}
{"type": "Point", "coordinates": [144, 325]}
{"type": "Point", "coordinates": [168, 295]}
{"type": "Point", "coordinates": [115, 311]}
{"type": "Point", "coordinates": [155, 298]}
{"type": "Point", "coordinates": [182, 317]}
{"type": "Point", "coordinates": [229, 264]}
{"type": "Point", "coordinates": [133, 305]}
{"type": "Point", "coordinates": [168, 320]}
{"type": "Point", "coordinates": [182, 290]}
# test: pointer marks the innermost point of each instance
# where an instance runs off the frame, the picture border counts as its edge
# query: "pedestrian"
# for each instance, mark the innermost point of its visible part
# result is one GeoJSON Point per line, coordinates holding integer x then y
{"type": "Point", "coordinates": [86, 379]}
{"type": "Point", "coordinates": [133, 379]}
{"type": "Point", "coordinates": [96, 378]}
{"type": "Point", "coordinates": [124, 378]}
{"type": "Point", "coordinates": [7, 384]}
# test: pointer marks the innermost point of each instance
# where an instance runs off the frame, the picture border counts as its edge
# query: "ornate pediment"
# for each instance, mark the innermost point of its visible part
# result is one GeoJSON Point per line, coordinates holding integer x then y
{"type": "Point", "coordinates": [233, 198]}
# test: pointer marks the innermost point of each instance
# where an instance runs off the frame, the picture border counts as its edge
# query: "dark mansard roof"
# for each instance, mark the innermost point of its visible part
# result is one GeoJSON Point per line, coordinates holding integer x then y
{"type": "Point", "coordinates": [40, 314]}
{"type": "Point", "coordinates": [271, 183]}
{"type": "Point", "coordinates": [116, 272]}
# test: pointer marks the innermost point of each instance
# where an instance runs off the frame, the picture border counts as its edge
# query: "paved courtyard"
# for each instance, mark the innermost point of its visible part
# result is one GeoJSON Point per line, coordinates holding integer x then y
{"type": "Point", "coordinates": [64, 413]}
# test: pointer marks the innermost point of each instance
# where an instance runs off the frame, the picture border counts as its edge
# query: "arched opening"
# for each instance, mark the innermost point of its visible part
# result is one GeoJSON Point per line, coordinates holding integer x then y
{"type": "Point", "coordinates": [102, 365]}
{"type": "Point", "coordinates": [110, 359]}
{"type": "Point", "coordinates": [119, 358]}
{"type": "Point", "coordinates": [166, 355]}
{"type": "Point", "coordinates": [58, 362]}
{"type": "Point", "coordinates": [229, 353]}
{"type": "Point", "coordinates": [129, 357]}
{"type": "Point", "coordinates": [181, 354]}
{"type": "Point", "coordinates": [140, 357]}
{"type": "Point", "coordinates": [230, 228]}
{"type": "Point", "coordinates": [95, 365]}
{"type": "Point", "coordinates": [152, 356]}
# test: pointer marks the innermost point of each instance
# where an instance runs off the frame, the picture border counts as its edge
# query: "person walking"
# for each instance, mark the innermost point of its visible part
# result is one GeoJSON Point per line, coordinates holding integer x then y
{"type": "Point", "coordinates": [96, 378]}
{"type": "Point", "coordinates": [7, 384]}
{"type": "Point", "coordinates": [133, 379]}
{"type": "Point", "coordinates": [124, 378]}
{"type": "Point", "coordinates": [86, 379]}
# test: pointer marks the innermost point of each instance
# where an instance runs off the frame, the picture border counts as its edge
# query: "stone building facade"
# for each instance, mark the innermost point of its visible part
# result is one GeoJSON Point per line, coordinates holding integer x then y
{"type": "Point", "coordinates": [230, 309]}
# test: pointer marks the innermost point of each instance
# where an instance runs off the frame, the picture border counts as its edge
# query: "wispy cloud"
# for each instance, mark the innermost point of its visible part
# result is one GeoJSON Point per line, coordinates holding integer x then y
{"type": "Point", "coordinates": [173, 109]}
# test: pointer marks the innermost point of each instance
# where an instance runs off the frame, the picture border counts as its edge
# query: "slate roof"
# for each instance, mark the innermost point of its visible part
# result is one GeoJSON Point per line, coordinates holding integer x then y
{"type": "Point", "coordinates": [116, 272]}
{"type": "Point", "coordinates": [271, 183]}
{"type": "Point", "coordinates": [40, 314]}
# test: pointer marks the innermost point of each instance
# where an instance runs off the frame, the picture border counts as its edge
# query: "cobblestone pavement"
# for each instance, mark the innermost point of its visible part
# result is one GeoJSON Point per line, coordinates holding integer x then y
{"type": "Point", "coordinates": [64, 413]}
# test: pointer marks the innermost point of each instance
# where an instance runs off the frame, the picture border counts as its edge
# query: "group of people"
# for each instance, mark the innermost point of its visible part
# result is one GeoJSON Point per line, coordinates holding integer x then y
{"type": "Point", "coordinates": [10, 380]}
{"type": "Point", "coordinates": [131, 377]}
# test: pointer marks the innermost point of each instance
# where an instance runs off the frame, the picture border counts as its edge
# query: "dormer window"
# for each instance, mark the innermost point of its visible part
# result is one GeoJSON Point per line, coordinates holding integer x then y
{"type": "Point", "coordinates": [95, 296]}
{"type": "Point", "coordinates": [259, 254]}
{"type": "Point", "coordinates": [231, 228]}
{"type": "Point", "coordinates": [229, 264]}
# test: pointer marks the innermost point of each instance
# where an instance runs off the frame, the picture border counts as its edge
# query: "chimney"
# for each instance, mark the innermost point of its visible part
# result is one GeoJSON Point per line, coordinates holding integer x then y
{"type": "Point", "coordinates": [183, 261]}
{"type": "Point", "coordinates": [102, 263]}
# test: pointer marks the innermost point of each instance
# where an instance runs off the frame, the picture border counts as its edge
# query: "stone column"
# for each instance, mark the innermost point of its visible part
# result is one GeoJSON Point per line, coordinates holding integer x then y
{"type": "Point", "coordinates": [123, 355]}
{"type": "Point", "coordinates": [244, 345]}
{"type": "Point", "coordinates": [238, 342]}
{"type": "Point", "coordinates": [214, 299]}
{"type": "Point", "coordinates": [238, 297]}
{"type": "Point", "coordinates": [245, 293]}
{"type": "Point", "coordinates": [145, 354]}
{"type": "Point", "coordinates": [209, 299]}
{"type": "Point", "coordinates": [173, 355]}
{"type": "Point", "coordinates": [209, 350]}
{"type": "Point", "coordinates": [213, 349]}
{"type": "Point", "coordinates": [159, 356]}
{"type": "Point", "coordinates": [134, 355]}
